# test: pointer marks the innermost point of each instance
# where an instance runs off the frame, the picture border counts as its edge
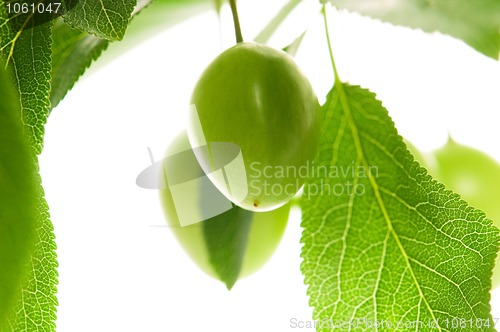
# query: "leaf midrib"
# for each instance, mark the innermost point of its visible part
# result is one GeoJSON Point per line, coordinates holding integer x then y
{"type": "Point", "coordinates": [347, 112]}
{"type": "Point", "coordinates": [109, 20]}
{"type": "Point", "coordinates": [14, 40]}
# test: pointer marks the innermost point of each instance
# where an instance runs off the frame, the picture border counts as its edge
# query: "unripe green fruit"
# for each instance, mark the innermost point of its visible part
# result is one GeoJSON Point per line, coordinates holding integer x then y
{"type": "Point", "coordinates": [472, 174]}
{"type": "Point", "coordinates": [258, 232]}
{"type": "Point", "coordinates": [257, 98]}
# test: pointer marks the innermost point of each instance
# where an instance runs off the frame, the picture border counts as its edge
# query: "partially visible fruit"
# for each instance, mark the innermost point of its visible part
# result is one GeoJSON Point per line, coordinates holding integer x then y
{"type": "Point", "coordinates": [472, 174]}
{"type": "Point", "coordinates": [226, 246]}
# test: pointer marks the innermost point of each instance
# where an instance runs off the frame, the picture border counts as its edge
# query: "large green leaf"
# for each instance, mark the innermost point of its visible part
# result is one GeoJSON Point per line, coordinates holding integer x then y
{"type": "Point", "coordinates": [36, 305]}
{"type": "Point", "coordinates": [104, 18]}
{"type": "Point", "coordinates": [475, 22]}
{"type": "Point", "coordinates": [383, 242]}
{"type": "Point", "coordinates": [75, 50]}
{"type": "Point", "coordinates": [27, 50]}
{"type": "Point", "coordinates": [17, 196]}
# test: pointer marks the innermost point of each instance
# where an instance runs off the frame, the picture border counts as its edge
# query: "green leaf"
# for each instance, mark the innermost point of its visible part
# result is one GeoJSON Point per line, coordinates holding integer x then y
{"type": "Point", "coordinates": [28, 56]}
{"type": "Point", "coordinates": [226, 238]}
{"type": "Point", "coordinates": [475, 22]}
{"type": "Point", "coordinates": [106, 19]}
{"type": "Point", "coordinates": [75, 50]}
{"type": "Point", "coordinates": [293, 48]}
{"type": "Point", "coordinates": [17, 196]}
{"type": "Point", "coordinates": [28, 52]}
{"type": "Point", "coordinates": [36, 305]}
{"type": "Point", "coordinates": [383, 242]}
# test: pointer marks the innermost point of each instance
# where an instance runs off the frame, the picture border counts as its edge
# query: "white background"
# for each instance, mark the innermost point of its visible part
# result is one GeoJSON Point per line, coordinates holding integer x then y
{"type": "Point", "coordinates": [120, 269]}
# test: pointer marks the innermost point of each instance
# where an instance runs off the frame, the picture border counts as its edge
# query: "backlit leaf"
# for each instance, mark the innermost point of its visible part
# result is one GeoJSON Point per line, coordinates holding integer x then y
{"type": "Point", "coordinates": [475, 22]}
{"type": "Point", "coordinates": [107, 19]}
{"type": "Point", "coordinates": [383, 242]}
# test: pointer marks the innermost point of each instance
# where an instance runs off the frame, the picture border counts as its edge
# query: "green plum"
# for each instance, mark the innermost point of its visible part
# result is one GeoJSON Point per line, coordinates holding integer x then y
{"type": "Point", "coordinates": [472, 174]}
{"type": "Point", "coordinates": [257, 98]}
{"type": "Point", "coordinates": [229, 245]}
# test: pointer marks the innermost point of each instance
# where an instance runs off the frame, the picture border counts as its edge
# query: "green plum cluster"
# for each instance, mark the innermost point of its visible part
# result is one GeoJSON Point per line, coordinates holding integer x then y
{"type": "Point", "coordinates": [255, 98]}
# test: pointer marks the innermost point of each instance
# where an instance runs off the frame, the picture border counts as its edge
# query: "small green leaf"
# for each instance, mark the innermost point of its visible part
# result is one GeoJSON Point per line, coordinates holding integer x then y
{"type": "Point", "coordinates": [293, 48]}
{"type": "Point", "coordinates": [383, 242]}
{"type": "Point", "coordinates": [226, 238]}
{"type": "Point", "coordinates": [106, 19]}
{"type": "Point", "coordinates": [17, 197]}
{"type": "Point", "coordinates": [475, 22]}
{"type": "Point", "coordinates": [75, 50]}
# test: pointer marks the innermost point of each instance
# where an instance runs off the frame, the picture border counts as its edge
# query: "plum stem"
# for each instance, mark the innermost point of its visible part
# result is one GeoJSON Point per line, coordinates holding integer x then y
{"type": "Point", "coordinates": [323, 10]}
{"type": "Point", "coordinates": [236, 20]}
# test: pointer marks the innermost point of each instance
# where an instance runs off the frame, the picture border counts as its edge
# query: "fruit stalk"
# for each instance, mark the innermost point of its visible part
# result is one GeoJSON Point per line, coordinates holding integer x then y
{"type": "Point", "coordinates": [328, 39]}
{"type": "Point", "coordinates": [236, 20]}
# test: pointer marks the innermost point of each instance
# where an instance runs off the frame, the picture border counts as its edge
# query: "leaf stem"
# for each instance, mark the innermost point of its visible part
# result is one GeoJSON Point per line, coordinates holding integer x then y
{"type": "Point", "coordinates": [236, 20]}
{"type": "Point", "coordinates": [335, 72]}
